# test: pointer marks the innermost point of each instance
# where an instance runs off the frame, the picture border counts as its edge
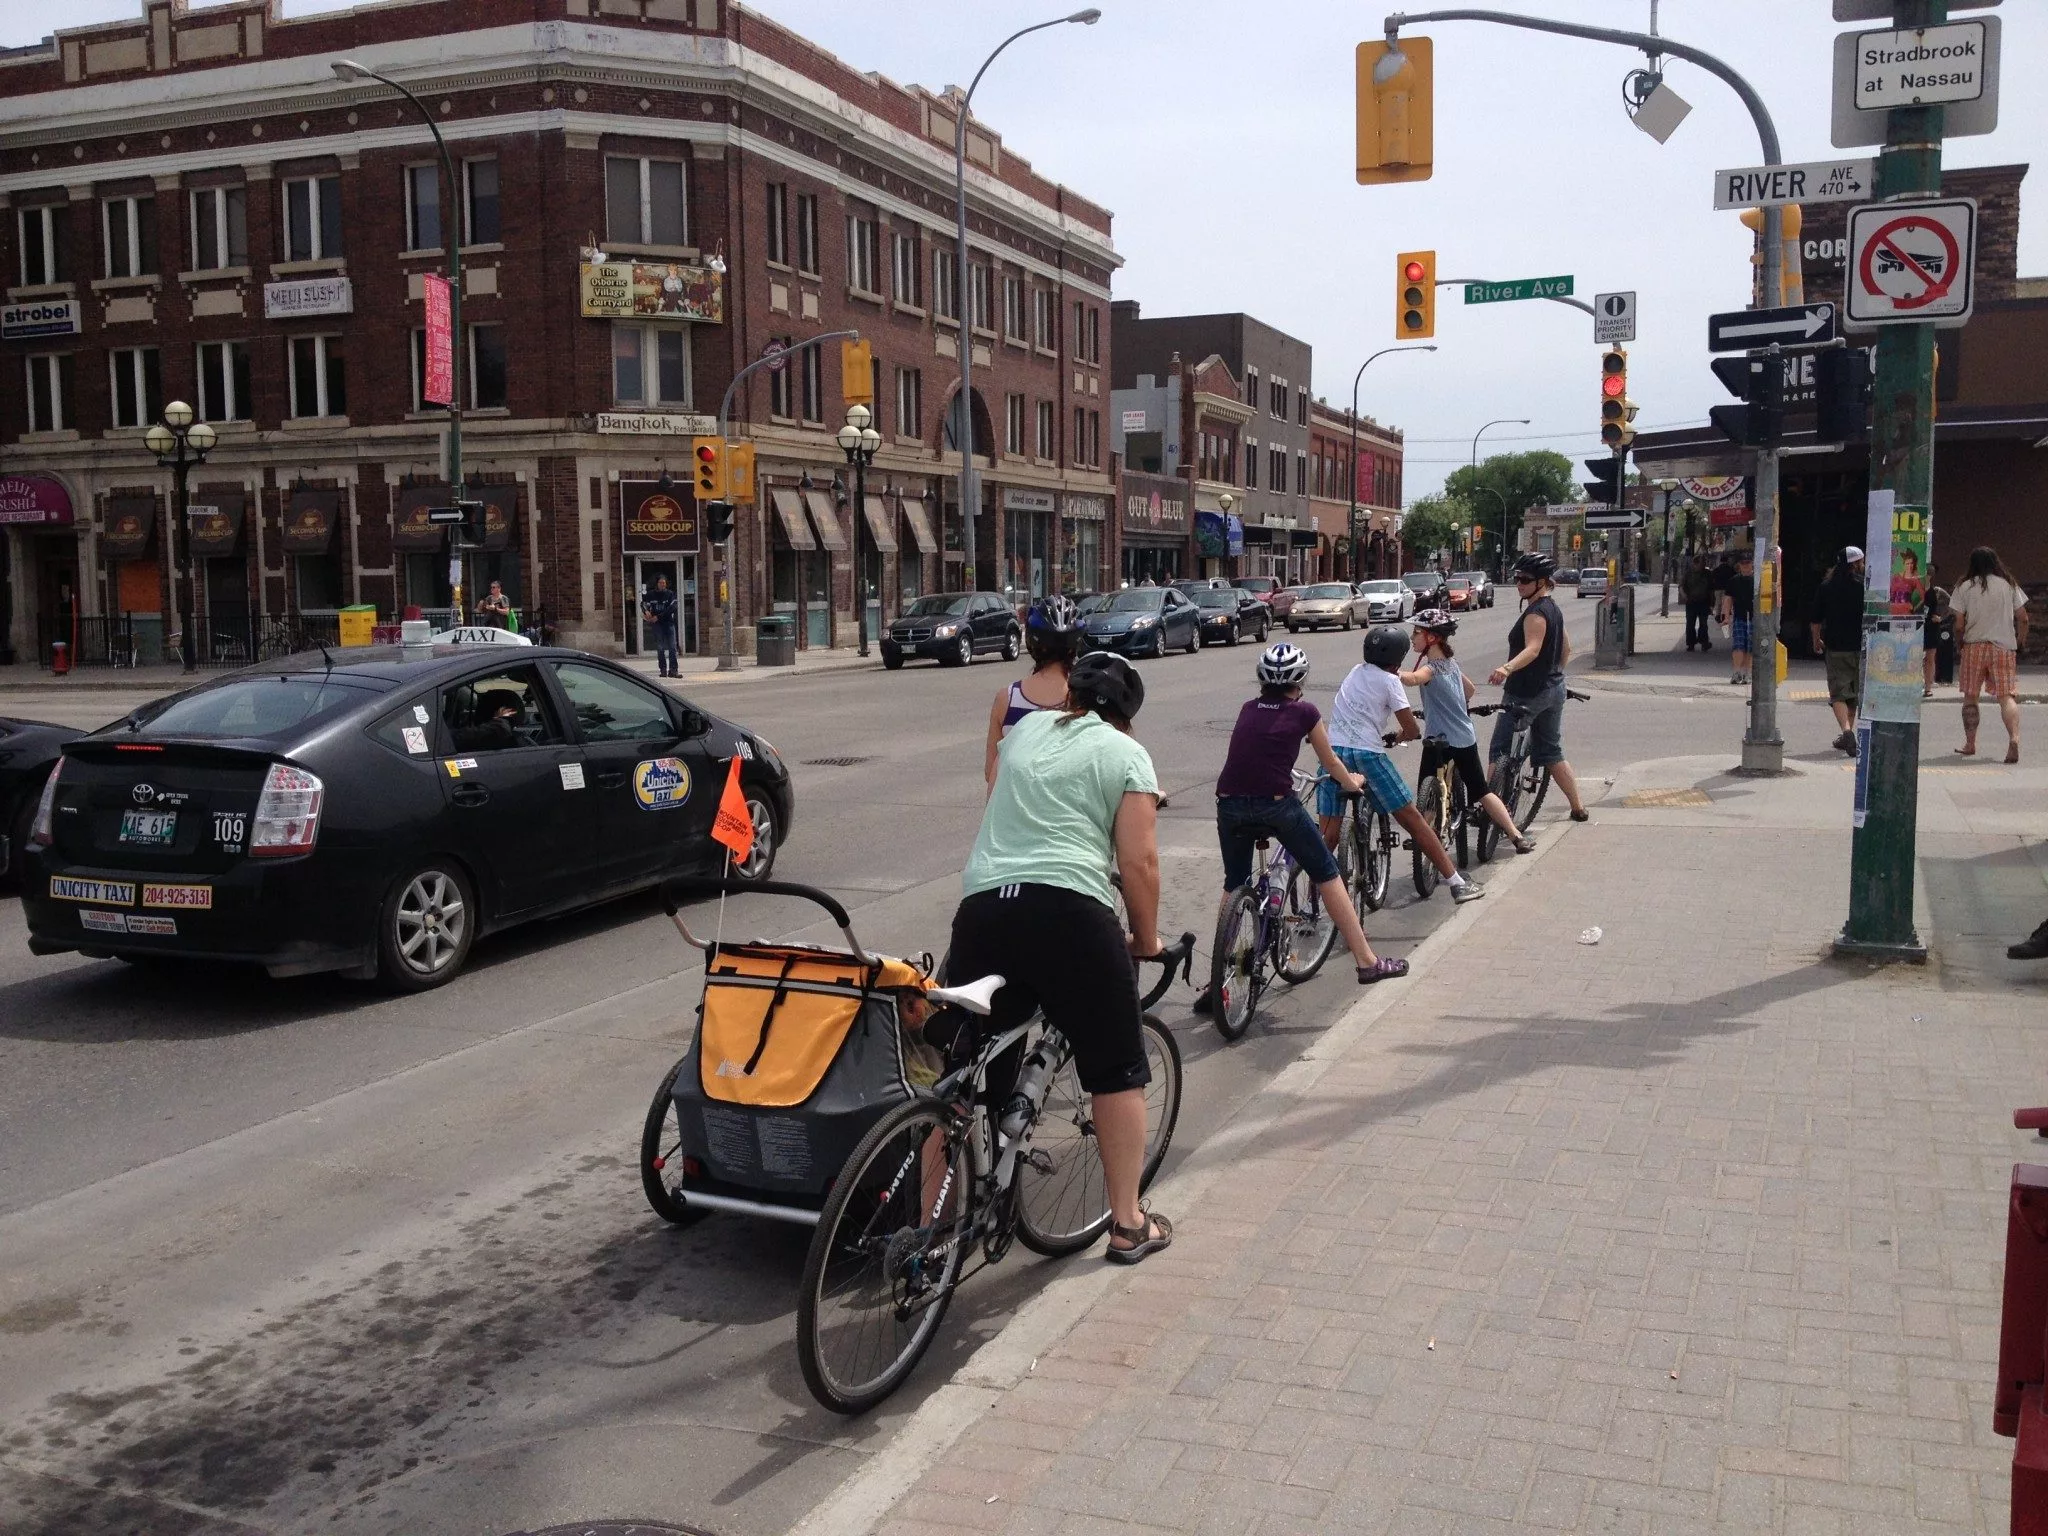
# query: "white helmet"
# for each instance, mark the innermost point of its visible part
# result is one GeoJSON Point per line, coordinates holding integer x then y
{"type": "Point", "coordinates": [1283, 664]}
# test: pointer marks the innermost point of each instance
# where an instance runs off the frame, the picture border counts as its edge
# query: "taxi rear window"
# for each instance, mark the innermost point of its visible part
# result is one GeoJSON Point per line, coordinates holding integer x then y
{"type": "Point", "coordinates": [258, 706]}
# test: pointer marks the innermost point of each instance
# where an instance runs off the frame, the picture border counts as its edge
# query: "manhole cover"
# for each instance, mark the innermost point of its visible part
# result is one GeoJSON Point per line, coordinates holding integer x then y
{"type": "Point", "coordinates": [835, 762]}
{"type": "Point", "coordinates": [1662, 799]}
{"type": "Point", "coordinates": [615, 1528]}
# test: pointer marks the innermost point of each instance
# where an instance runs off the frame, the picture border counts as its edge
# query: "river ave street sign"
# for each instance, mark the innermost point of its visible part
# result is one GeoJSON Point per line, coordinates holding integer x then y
{"type": "Point", "coordinates": [1520, 288]}
{"type": "Point", "coordinates": [1798, 325]}
{"type": "Point", "coordinates": [1818, 181]}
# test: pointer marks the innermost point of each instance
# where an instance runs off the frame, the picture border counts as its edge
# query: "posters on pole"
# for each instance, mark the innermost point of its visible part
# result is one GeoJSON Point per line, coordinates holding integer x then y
{"type": "Point", "coordinates": [1877, 554]}
{"type": "Point", "coordinates": [1892, 668]}
{"type": "Point", "coordinates": [1861, 813]}
{"type": "Point", "coordinates": [438, 386]}
{"type": "Point", "coordinates": [1911, 527]}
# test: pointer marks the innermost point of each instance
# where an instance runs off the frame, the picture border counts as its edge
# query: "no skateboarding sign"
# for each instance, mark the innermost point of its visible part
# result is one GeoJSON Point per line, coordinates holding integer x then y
{"type": "Point", "coordinates": [1912, 263]}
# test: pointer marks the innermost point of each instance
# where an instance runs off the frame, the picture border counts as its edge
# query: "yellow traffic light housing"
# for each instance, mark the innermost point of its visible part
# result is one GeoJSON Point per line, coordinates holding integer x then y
{"type": "Point", "coordinates": [739, 472]}
{"type": "Point", "coordinates": [1617, 411]}
{"type": "Point", "coordinates": [1414, 295]}
{"type": "Point", "coordinates": [1395, 109]}
{"type": "Point", "coordinates": [707, 459]}
{"type": "Point", "coordinates": [857, 372]}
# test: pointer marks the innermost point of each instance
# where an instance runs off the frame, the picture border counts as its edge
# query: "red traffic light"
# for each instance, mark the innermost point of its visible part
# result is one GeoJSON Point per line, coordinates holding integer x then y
{"type": "Point", "coordinates": [1613, 385]}
{"type": "Point", "coordinates": [1415, 271]}
{"type": "Point", "coordinates": [707, 454]}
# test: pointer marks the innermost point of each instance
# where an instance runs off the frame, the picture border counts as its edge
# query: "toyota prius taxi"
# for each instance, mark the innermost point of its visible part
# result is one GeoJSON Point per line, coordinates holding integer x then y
{"type": "Point", "coordinates": [378, 810]}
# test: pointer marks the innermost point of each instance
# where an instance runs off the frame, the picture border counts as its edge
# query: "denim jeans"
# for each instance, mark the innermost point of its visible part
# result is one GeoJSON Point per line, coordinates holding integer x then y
{"type": "Point", "coordinates": [1241, 820]}
{"type": "Point", "coordinates": [665, 650]}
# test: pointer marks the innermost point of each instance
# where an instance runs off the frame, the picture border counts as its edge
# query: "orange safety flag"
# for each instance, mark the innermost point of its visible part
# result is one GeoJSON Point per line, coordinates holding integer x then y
{"type": "Point", "coordinates": [734, 824]}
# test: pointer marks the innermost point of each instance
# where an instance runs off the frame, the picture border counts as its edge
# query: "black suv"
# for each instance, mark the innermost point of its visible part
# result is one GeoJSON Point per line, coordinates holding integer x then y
{"type": "Point", "coordinates": [1431, 589]}
{"type": "Point", "coordinates": [954, 628]}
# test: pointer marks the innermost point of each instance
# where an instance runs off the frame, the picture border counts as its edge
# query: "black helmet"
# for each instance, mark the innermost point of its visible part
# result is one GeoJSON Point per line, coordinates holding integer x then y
{"type": "Point", "coordinates": [1535, 566]}
{"type": "Point", "coordinates": [1103, 678]}
{"type": "Point", "coordinates": [1385, 646]}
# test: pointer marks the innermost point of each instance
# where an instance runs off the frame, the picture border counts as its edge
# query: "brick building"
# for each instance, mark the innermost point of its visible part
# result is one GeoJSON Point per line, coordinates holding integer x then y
{"type": "Point", "coordinates": [1373, 548]}
{"type": "Point", "coordinates": [651, 193]}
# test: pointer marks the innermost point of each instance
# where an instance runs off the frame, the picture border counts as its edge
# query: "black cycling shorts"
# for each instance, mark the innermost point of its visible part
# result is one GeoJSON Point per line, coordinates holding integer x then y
{"type": "Point", "coordinates": [1065, 953]}
{"type": "Point", "coordinates": [1464, 762]}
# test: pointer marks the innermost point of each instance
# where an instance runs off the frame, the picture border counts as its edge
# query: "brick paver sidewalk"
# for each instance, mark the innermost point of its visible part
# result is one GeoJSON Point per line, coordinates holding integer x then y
{"type": "Point", "coordinates": [1693, 1229]}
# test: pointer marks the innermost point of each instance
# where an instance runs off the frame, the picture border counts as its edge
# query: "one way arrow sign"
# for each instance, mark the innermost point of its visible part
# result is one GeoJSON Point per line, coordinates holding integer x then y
{"type": "Point", "coordinates": [1800, 325]}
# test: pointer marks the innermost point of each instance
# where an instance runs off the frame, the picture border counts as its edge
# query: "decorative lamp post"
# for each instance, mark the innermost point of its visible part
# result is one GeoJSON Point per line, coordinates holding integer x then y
{"type": "Point", "coordinates": [860, 442]}
{"type": "Point", "coordinates": [179, 442]}
{"type": "Point", "coordinates": [1226, 501]}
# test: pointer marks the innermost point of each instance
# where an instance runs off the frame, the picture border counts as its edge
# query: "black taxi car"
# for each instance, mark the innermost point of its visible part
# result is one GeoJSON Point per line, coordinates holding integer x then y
{"type": "Point", "coordinates": [376, 811]}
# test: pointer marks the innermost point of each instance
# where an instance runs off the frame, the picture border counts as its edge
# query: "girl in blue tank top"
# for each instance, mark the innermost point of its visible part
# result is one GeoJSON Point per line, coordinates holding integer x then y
{"type": "Point", "coordinates": [1446, 710]}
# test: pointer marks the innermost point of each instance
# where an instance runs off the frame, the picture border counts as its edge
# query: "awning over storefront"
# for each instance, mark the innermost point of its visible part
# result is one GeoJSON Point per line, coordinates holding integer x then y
{"type": "Point", "coordinates": [501, 512]}
{"type": "Point", "coordinates": [131, 526]}
{"type": "Point", "coordinates": [789, 512]}
{"type": "Point", "coordinates": [920, 524]}
{"type": "Point", "coordinates": [825, 518]}
{"type": "Point", "coordinates": [879, 524]}
{"type": "Point", "coordinates": [214, 526]}
{"type": "Point", "coordinates": [309, 522]}
{"type": "Point", "coordinates": [34, 501]}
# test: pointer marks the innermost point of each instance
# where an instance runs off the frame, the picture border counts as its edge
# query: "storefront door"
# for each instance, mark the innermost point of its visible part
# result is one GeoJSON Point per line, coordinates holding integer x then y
{"type": "Point", "coordinates": [681, 573]}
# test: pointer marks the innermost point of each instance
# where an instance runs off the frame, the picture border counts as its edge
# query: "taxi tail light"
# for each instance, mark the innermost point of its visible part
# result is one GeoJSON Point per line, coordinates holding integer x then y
{"type": "Point", "coordinates": [43, 831]}
{"type": "Point", "coordinates": [287, 819]}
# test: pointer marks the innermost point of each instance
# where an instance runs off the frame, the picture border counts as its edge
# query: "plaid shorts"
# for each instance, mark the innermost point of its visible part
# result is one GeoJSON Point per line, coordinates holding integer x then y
{"type": "Point", "coordinates": [1385, 789]}
{"type": "Point", "coordinates": [1989, 667]}
{"type": "Point", "coordinates": [1738, 635]}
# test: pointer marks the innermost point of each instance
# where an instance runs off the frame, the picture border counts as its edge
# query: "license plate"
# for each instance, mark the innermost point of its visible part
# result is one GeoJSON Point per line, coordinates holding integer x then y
{"type": "Point", "coordinates": [149, 829]}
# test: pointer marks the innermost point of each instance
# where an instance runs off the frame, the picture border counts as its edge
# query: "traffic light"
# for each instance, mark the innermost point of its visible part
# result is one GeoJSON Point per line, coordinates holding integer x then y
{"type": "Point", "coordinates": [1616, 409]}
{"type": "Point", "coordinates": [739, 472]}
{"type": "Point", "coordinates": [857, 372]}
{"type": "Point", "coordinates": [1791, 278]}
{"type": "Point", "coordinates": [718, 521]}
{"type": "Point", "coordinates": [707, 454]}
{"type": "Point", "coordinates": [1394, 110]}
{"type": "Point", "coordinates": [1604, 489]}
{"type": "Point", "coordinates": [1414, 295]}
{"type": "Point", "coordinates": [1841, 382]}
{"type": "Point", "coordinates": [1759, 382]}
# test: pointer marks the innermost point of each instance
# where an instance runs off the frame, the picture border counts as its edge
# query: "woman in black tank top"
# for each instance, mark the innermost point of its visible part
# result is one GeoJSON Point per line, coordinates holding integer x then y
{"type": "Point", "coordinates": [1533, 677]}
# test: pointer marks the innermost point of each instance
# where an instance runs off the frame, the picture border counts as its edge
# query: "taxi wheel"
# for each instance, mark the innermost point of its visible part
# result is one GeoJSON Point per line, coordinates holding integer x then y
{"type": "Point", "coordinates": [425, 929]}
{"type": "Point", "coordinates": [760, 861]}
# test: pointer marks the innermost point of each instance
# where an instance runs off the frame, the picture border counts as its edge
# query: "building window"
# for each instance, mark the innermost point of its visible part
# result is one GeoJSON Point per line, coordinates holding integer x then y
{"type": "Point", "coordinates": [1251, 466]}
{"type": "Point", "coordinates": [780, 402]}
{"type": "Point", "coordinates": [480, 202]}
{"type": "Point", "coordinates": [863, 254]}
{"type": "Point", "coordinates": [1094, 329]}
{"type": "Point", "coordinates": [1013, 308]}
{"type": "Point", "coordinates": [1044, 305]}
{"type": "Point", "coordinates": [130, 229]}
{"type": "Point", "coordinates": [1251, 387]}
{"type": "Point", "coordinates": [40, 228]}
{"type": "Point", "coordinates": [643, 201]}
{"type": "Point", "coordinates": [49, 393]}
{"type": "Point", "coordinates": [1095, 438]}
{"type": "Point", "coordinates": [909, 402]}
{"type": "Point", "coordinates": [946, 283]}
{"type": "Point", "coordinates": [1045, 430]}
{"type": "Point", "coordinates": [778, 223]}
{"type": "Point", "coordinates": [1080, 330]}
{"type": "Point", "coordinates": [137, 379]}
{"type": "Point", "coordinates": [906, 271]}
{"type": "Point", "coordinates": [1079, 446]}
{"type": "Point", "coordinates": [1276, 399]}
{"type": "Point", "coordinates": [650, 364]}
{"type": "Point", "coordinates": [422, 207]}
{"type": "Point", "coordinates": [813, 401]}
{"type": "Point", "coordinates": [312, 217]}
{"type": "Point", "coordinates": [319, 384]}
{"type": "Point", "coordinates": [1013, 424]}
{"type": "Point", "coordinates": [1300, 473]}
{"type": "Point", "coordinates": [224, 381]}
{"type": "Point", "coordinates": [220, 228]}
{"type": "Point", "coordinates": [487, 367]}
{"type": "Point", "coordinates": [983, 280]}
{"type": "Point", "coordinates": [1276, 465]}
{"type": "Point", "coordinates": [807, 233]}
{"type": "Point", "coordinates": [1301, 405]}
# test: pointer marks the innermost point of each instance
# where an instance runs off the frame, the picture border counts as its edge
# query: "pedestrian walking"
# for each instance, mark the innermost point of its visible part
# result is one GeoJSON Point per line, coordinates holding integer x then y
{"type": "Point", "coordinates": [658, 608]}
{"type": "Point", "coordinates": [1991, 624]}
{"type": "Point", "coordinates": [1738, 608]}
{"type": "Point", "coordinates": [1838, 636]}
{"type": "Point", "coordinates": [1696, 588]}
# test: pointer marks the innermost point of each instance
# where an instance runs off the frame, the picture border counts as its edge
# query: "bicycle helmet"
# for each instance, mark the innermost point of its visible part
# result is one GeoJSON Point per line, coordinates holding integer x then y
{"type": "Point", "coordinates": [1535, 566]}
{"type": "Point", "coordinates": [1436, 621]}
{"type": "Point", "coordinates": [1282, 665]}
{"type": "Point", "coordinates": [1385, 646]}
{"type": "Point", "coordinates": [1054, 615]}
{"type": "Point", "coordinates": [1104, 679]}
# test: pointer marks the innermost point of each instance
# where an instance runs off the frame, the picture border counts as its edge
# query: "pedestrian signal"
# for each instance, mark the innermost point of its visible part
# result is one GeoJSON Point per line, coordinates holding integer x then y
{"type": "Point", "coordinates": [1395, 110]}
{"type": "Point", "coordinates": [707, 454]}
{"type": "Point", "coordinates": [1414, 295]}
{"type": "Point", "coordinates": [718, 519]}
{"type": "Point", "coordinates": [739, 472]}
{"type": "Point", "coordinates": [1617, 411]}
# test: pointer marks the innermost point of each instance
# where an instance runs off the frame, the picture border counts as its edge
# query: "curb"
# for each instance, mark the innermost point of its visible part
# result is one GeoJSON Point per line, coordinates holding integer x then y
{"type": "Point", "coordinates": [860, 1503]}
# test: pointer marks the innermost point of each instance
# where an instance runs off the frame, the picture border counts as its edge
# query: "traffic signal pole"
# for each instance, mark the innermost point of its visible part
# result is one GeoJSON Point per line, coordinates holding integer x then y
{"type": "Point", "coordinates": [1883, 848]}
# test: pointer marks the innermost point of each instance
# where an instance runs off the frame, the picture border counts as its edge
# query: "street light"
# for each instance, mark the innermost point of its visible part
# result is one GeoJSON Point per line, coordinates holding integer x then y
{"type": "Point", "coordinates": [963, 297]}
{"type": "Point", "coordinates": [1505, 421]}
{"type": "Point", "coordinates": [1351, 523]}
{"type": "Point", "coordinates": [451, 237]}
{"type": "Point", "coordinates": [860, 442]}
{"type": "Point", "coordinates": [179, 443]}
{"type": "Point", "coordinates": [1667, 486]}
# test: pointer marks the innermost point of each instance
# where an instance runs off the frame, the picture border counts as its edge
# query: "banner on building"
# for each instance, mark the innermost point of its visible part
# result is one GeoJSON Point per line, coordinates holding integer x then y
{"type": "Point", "coordinates": [1155, 504]}
{"type": "Point", "coordinates": [34, 499]}
{"type": "Point", "coordinates": [437, 385]}
{"type": "Point", "coordinates": [645, 290]}
{"type": "Point", "coordinates": [658, 521]}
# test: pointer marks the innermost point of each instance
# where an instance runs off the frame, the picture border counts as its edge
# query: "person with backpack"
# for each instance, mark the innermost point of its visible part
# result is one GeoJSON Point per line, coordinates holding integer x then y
{"type": "Point", "coordinates": [1696, 587]}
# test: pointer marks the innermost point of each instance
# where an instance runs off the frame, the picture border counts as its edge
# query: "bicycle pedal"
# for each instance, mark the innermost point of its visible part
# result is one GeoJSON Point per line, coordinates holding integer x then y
{"type": "Point", "coordinates": [1039, 1161]}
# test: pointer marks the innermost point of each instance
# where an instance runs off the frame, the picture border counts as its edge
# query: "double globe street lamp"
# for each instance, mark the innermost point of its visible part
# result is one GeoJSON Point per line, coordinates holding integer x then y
{"type": "Point", "coordinates": [179, 442]}
{"type": "Point", "coordinates": [860, 442]}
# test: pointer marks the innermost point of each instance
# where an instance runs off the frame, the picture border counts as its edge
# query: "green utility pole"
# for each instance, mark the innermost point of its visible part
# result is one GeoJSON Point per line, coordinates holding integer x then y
{"type": "Point", "coordinates": [1902, 461]}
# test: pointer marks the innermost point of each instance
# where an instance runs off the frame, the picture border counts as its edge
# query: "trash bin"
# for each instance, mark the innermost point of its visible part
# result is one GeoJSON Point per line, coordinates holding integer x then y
{"type": "Point", "coordinates": [60, 658]}
{"type": "Point", "coordinates": [358, 624]}
{"type": "Point", "coordinates": [775, 641]}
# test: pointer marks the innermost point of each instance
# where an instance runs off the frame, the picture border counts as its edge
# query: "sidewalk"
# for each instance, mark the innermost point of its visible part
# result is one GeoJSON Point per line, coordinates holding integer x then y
{"type": "Point", "coordinates": [1695, 1228]}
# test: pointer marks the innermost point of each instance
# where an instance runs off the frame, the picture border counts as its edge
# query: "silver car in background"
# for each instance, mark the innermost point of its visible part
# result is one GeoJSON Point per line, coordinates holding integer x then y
{"type": "Point", "coordinates": [1326, 605]}
{"type": "Point", "coordinates": [1387, 602]}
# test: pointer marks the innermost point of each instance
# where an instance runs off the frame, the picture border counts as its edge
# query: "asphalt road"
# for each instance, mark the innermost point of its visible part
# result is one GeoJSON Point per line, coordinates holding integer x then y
{"type": "Point", "coordinates": [287, 1255]}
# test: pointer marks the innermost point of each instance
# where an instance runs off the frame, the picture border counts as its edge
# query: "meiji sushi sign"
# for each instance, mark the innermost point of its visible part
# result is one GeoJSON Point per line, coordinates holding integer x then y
{"type": "Point", "coordinates": [34, 499]}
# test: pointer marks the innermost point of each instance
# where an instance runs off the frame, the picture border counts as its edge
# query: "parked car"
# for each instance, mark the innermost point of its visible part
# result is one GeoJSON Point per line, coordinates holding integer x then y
{"type": "Point", "coordinates": [1482, 585]}
{"type": "Point", "coordinates": [28, 751]}
{"type": "Point", "coordinates": [1229, 614]}
{"type": "Point", "coordinates": [1263, 587]}
{"type": "Point", "coordinates": [1429, 588]}
{"type": "Point", "coordinates": [1460, 594]}
{"type": "Point", "coordinates": [1144, 621]}
{"type": "Point", "coordinates": [954, 628]}
{"type": "Point", "coordinates": [1281, 602]}
{"type": "Point", "coordinates": [1387, 601]}
{"type": "Point", "coordinates": [1593, 581]}
{"type": "Point", "coordinates": [1565, 578]}
{"type": "Point", "coordinates": [378, 810]}
{"type": "Point", "coordinates": [1327, 605]}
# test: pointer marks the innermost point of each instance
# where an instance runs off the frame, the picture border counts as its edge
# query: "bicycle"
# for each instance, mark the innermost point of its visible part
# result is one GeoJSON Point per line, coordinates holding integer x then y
{"type": "Point", "coordinates": [939, 1176]}
{"type": "Point", "coordinates": [1514, 777]}
{"type": "Point", "coordinates": [1366, 849]}
{"type": "Point", "coordinates": [1277, 918]}
{"type": "Point", "coordinates": [1440, 797]}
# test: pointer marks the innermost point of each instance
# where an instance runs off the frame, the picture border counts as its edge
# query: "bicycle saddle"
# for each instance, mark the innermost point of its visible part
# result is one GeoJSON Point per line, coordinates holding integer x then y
{"type": "Point", "coordinates": [975, 997]}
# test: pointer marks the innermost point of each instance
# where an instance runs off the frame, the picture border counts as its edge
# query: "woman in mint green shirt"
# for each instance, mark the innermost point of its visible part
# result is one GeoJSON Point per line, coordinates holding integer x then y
{"type": "Point", "coordinates": [1075, 794]}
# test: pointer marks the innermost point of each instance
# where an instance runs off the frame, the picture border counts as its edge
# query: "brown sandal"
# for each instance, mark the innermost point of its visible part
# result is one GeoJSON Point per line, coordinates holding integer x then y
{"type": "Point", "coordinates": [1146, 1238]}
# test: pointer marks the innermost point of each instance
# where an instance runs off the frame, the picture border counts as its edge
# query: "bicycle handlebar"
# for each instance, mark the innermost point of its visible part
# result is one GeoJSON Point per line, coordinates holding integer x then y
{"type": "Point", "coordinates": [1180, 953]}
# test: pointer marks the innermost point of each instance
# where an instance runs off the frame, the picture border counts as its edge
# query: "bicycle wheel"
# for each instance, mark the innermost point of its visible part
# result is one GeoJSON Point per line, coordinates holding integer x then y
{"type": "Point", "coordinates": [1461, 822]}
{"type": "Point", "coordinates": [1535, 785]}
{"type": "Point", "coordinates": [661, 1160]}
{"type": "Point", "coordinates": [1506, 782]}
{"type": "Point", "coordinates": [1308, 930]}
{"type": "Point", "coordinates": [883, 1264]}
{"type": "Point", "coordinates": [1062, 1199]}
{"type": "Point", "coordinates": [1236, 965]}
{"type": "Point", "coordinates": [1376, 847]}
{"type": "Point", "coordinates": [1429, 800]}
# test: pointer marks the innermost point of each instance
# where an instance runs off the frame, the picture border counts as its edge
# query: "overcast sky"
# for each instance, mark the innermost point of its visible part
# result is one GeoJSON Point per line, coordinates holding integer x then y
{"type": "Point", "coordinates": [1220, 135]}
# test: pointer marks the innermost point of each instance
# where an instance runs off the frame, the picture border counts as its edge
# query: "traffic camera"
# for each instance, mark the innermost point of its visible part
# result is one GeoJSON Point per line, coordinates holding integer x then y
{"type": "Point", "coordinates": [1395, 141]}
{"type": "Point", "coordinates": [707, 455]}
{"type": "Point", "coordinates": [1617, 411]}
{"type": "Point", "coordinates": [1414, 295]}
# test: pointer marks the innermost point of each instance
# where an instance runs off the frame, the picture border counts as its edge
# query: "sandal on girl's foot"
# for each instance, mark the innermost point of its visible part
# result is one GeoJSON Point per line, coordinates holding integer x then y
{"type": "Point", "coordinates": [1146, 1238]}
{"type": "Point", "coordinates": [1386, 968]}
{"type": "Point", "coordinates": [1524, 845]}
{"type": "Point", "coordinates": [1582, 815]}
